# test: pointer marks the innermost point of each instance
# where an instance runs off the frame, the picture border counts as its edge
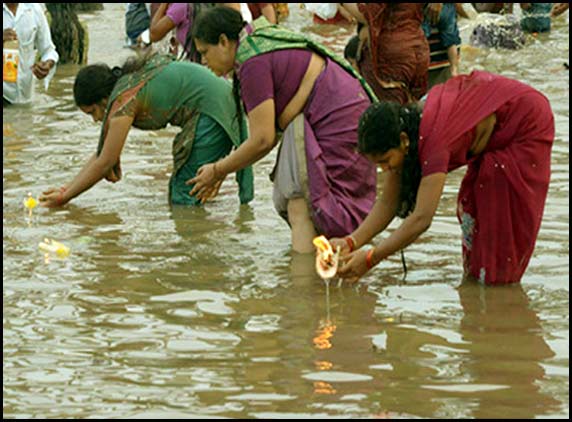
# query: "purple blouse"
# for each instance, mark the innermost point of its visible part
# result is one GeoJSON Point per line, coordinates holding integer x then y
{"type": "Point", "coordinates": [276, 75]}
{"type": "Point", "coordinates": [179, 14]}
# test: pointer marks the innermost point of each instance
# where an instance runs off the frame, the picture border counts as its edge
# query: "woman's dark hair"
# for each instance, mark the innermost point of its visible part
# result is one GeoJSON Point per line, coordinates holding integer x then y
{"type": "Point", "coordinates": [379, 131]}
{"type": "Point", "coordinates": [189, 49]}
{"type": "Point", "coordinates": [351, 50]}
{"type": "Point", "coordinates": [95, 82]}
{"type": "Point", "coordinates": [210, 25]}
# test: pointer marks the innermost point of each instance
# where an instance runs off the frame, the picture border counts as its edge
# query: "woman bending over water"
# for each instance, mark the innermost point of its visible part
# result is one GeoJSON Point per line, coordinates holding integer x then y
{"type": "Point", "coordinates": [503, 130]}
{"type": "Point", "coordinates": [149, 94]}
{"type": "Point", "coordinates": [287, 82]}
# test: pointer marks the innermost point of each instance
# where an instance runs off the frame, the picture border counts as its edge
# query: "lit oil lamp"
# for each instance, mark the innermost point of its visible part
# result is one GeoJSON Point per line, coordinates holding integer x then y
{"type": "Point", "coordinates": [326, 259]}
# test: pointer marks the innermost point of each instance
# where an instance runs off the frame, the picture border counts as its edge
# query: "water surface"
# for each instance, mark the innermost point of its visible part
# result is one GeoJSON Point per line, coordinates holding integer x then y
{"type": "Point", "coordinates": [171, 313]}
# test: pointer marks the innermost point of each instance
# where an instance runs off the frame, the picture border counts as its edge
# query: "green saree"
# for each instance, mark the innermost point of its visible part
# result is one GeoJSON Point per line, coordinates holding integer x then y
{"type": "Point", "coordinates": [191, 97]}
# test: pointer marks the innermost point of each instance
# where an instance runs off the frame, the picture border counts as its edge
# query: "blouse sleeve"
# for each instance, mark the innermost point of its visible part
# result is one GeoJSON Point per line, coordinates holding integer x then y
{"type": "Point", "coordinates": [178, 13]}
{"type": "Point", "coordinates": [256, 82]}
{"type": "Point", "coordinates": [434, 161]}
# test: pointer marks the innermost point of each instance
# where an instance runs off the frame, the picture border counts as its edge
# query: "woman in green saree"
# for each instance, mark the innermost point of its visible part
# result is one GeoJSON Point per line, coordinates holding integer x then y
{"type": "Point", "coordinates": [150, 93]}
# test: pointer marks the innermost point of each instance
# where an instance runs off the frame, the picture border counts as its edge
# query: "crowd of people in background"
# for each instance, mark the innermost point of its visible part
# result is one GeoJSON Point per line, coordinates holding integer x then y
{"type": "Point", "coordinates": [399, 102]}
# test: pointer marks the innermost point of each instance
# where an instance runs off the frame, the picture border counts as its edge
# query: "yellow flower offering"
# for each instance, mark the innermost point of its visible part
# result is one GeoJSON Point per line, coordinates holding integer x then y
{"type": "Point", "coordinates": [30, 203]}
{"type": "Point", "coordinates": [55, 248]}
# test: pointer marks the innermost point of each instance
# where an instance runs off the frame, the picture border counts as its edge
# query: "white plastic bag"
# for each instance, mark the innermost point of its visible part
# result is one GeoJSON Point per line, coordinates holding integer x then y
{"type": "Point", "coordinates": [323, 10]}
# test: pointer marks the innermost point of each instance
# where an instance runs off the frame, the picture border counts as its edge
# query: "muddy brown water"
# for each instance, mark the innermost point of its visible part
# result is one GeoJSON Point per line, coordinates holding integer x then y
{"type": "Point", "coordinates": [166, 313]}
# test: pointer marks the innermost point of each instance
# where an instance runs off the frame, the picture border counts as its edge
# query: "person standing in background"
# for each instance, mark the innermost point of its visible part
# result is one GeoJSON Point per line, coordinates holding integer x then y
{"type": "Point", "coordinates": [137, 21]}
{"type": "Point", "coordinates": [537, 17]}
{"type": "Point", "coordinates": [442, 32]}
{"type": "Point", "coordinates": [27, 24]}
{"type": "Point", "coordinates": [181, 17]}
{"type": "Point", "coordinates": [394, 59]}
{"type": "Point", "coordinates": [263, 9]}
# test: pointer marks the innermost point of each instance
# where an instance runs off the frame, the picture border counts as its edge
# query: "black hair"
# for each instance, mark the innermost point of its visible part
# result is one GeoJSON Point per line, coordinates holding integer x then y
{"type": "Point", "coordinates": [189, 49]}
{"type": "Point", "coordinates": [351, 50]}
{"type": "Point", "coordinates": [379, 131]}
{"type": "Point", "coordinates": [95, 82]}
{"type": "Point", "coordinates": [209, 26]}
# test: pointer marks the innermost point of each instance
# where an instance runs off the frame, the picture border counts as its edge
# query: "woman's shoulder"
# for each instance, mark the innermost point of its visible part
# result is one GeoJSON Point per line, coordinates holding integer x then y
{"type": "Point", "coordinates": [280, 56]}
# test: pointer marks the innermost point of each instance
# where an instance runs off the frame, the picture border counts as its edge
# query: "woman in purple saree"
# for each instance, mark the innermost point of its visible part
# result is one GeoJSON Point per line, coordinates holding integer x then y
{"type": "Point", "coordinates": [321, 184]}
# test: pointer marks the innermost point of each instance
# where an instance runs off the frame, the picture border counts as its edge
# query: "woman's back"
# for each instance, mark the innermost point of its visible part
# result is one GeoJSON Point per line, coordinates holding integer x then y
{"type": "Point", "coordinates": [183, 88]}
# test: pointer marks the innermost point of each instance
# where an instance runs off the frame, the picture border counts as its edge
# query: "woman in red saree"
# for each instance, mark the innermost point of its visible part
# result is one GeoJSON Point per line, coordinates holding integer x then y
{"type": "Point", "coordinates": [503, 130]}
{"type": "Point", "coordinates": [395, 60]}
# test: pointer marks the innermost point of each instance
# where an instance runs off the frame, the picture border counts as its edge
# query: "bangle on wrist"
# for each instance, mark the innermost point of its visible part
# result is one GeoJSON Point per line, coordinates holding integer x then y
{"type": "Point", "coordinates": [351, 243]}
{"type": "Point", "coordinates": [61, 195]}
{"type": "Point", "coordinates": [369, 259]}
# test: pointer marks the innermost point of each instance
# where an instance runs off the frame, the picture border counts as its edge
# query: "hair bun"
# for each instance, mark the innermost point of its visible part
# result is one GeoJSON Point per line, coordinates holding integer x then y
{"type": "Point", "coordinates": [117, 72]}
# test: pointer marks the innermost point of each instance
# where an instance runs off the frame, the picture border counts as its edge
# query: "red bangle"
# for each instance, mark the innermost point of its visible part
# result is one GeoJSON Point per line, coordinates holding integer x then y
{"type": "Point", "coordinates": [61, 195]}
{"type": "Point", "coordinates": [369, 259]}
{"type": "Point", "coordinates": [351, 243]}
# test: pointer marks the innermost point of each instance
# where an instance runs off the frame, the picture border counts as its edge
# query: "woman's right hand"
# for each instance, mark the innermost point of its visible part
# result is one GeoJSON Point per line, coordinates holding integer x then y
{"type": "Point", "coordinates": [206, 182]}
{"type": "Point", "coordinates": [52, 198]}
{"type": "Point", "coordinates": [342, 244]}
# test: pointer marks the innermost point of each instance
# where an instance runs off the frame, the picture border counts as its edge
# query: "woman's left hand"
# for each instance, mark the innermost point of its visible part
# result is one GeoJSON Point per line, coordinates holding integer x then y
{"type": "Point", "coordinates": [114, 174]}
{"type": "Point", "coordinates": [354, 266]}
{"type": "Point", "coordinates": [205, 182]}
{"type": "Point", "coordinates": [52, 198]}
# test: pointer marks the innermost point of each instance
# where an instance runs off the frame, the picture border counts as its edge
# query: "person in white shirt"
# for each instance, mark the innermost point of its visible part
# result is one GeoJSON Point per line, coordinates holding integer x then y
{"type": "Point", "coordinates": [26, 23]}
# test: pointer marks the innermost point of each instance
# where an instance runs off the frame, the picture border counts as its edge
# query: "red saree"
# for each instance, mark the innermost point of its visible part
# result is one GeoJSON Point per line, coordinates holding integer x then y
{"type": "Point", "coordinates": [502, 197]}
{"type": "Point", "coordinates": [395, 62]}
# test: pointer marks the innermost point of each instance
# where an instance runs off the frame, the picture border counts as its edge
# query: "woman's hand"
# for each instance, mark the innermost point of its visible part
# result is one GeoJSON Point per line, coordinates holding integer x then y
{"type": "Point", "coordinates": [207, 183]}
{"type": "Point", "coordinates": [342, 244]}
{"type": "Point", "coordinates": [354, 266]}
{"type": "Point", "coordinates": [114, 174]}
{"type": "Point", "coordinates": [52, 198]}
{"type": "Point", "coordinates": [212, 192]}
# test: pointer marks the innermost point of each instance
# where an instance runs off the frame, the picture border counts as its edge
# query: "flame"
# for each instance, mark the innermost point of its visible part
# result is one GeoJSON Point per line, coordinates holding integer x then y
{"type": "Point", "coordinates": [323, 365]}
{"type": "Point", "coordinates": [326, 259]}
{"type": "Point", "coordinates": [323, 336]}
{"type": "Point", "coordinates": [323, 388]}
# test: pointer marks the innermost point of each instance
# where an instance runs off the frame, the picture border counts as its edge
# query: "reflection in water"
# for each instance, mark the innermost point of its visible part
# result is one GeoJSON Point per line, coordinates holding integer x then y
{"type": "Point", "coordinates": [506, 348]}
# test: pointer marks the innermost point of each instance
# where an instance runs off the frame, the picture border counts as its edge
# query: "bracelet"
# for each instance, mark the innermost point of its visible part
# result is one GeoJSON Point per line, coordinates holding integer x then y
{"type": "Point", "coordinates": [351, 243]}
{"type": "Point", "coordinates": [369, 259]}
{"type": "Point", "coordinates": [61, 195]}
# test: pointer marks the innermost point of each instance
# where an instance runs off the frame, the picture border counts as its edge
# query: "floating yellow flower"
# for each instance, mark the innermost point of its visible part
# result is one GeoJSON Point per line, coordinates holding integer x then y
{"type": "Point", "coordinates": [56, 248]}
{"type": "Point", "coordinates": [30, 203]}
